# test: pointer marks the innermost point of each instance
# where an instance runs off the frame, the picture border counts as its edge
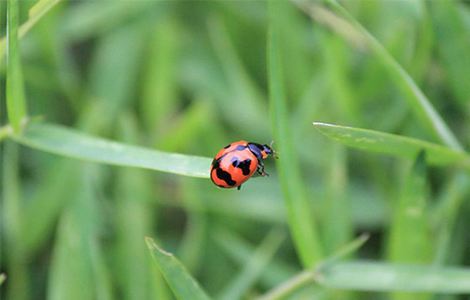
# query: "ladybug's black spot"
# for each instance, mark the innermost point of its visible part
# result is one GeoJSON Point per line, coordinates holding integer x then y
{"type": "Point", "coordinates": [225, 176]}
{"type": "Point", "coordinates": [243, 165]}
{"type": "Point", "coordinates": [240, 147]}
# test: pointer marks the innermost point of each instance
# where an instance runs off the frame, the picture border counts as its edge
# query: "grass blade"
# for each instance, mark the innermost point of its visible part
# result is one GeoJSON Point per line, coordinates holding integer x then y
{"type": "Point", "coordinates": [386, 143]}
{"type": "Point", "coordinates": [253, 266]}
{"type": "Point", "coordinates": [35, 14]}
{"type": "Point", "coordinates": [299, 214]}
{"type": "Point", "coordinates": [2, 278]}
{"type": "Point", "coordinates": [178, 278]}
{"type": "Point", "coordinates": [136, 275]}
{"type": "Point", "coordinates": [70, 143]}
{"type": "Point", "coordinates": [409, 239]}
{"type": "Point", "coordinates": [16, 105]}
{"type": "Point", "coordinates": [420, 104]}
{"type": "Point", "coordinates": [372, 276]}
{"type": "Point", "coordinates": [303, 278]}
{"type": "Point", "coordinates": [12, 219]}
{"type": "Point", "coordinates": [454, 42]}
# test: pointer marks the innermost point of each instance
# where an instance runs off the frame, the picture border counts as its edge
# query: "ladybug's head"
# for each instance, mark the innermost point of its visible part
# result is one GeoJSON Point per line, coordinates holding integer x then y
{"type": "Point", "coordinates": [266, 151]}
{"type": "Point", "coordinates": [261, 151]}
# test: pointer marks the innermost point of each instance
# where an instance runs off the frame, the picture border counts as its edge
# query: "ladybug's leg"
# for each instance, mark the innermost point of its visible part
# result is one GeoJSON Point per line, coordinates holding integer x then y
{"type": "Point", "coordinates": [260, 170]}
{"type": "Point", "coordinates": [239, 187]}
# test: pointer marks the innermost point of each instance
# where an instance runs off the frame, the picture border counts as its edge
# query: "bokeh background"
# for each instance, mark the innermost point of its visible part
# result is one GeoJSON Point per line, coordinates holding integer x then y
{"type": "Point", "coordinates": [192, 76]}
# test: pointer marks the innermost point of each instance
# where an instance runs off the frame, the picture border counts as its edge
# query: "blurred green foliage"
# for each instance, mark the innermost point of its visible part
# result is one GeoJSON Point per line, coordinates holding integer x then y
{"type": "Point", "coordinates": [146, 86]}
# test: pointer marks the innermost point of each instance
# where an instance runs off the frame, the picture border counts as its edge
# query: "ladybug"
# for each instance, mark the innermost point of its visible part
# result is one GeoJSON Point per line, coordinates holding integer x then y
{"type": "Point", "coordinates": [237, 162]}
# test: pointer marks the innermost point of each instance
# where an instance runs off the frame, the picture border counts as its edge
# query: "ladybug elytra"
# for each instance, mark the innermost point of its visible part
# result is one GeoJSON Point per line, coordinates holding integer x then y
{"type": "Point", "coordinates": [237, 162]}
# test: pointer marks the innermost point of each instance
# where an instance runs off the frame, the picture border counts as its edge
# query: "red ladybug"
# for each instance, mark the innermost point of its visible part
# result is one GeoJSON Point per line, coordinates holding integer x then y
{"type": "Point", "coordinates": [237, 162]}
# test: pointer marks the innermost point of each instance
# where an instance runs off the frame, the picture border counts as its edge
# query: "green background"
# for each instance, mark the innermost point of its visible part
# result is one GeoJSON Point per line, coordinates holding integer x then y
{"type": "Point", "coordinates": [111, 112]}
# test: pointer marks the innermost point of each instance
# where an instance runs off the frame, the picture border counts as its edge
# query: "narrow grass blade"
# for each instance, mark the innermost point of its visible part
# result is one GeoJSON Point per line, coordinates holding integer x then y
{"type": "Point", "coordinates": [409, 239]}
{"type": "Point", "coordinates": [281, 291]}
{"type": "Point", "coordinates": [35, 14]}
{"type": "Point", "coordinates": [184, 286]}
{"type": "Point", "coordinates": [391, 144]}
{"type": "Point", "coordinates": [372, 276]}
{"type": "Point", "coordinates": [240, 250]}
{"type": "Point", "coordinates": [242, 88]}
{"type": "Point", "coordinates": [2, 278]}
{"type": "Point", "coordinates": [446, 215]}
{"type": "Point", "coordinates": [135, 216]}
{"type": "Point", "coordinates": [408, 236]}
{"type": "Point", "coordinates": [12, 220]}
{"type": "Point", "coordinates": [346, 25]}
{"type": "Point", "coordinates": [338, 227]}
{"type": "Point", "coordinates": [70, 270]}
{"type": "Point", "coordinates": [159, 86]}
{"type": "Point", "coordinates": [70, 143]}
{"type": "Point", "coordinates": [299, 214]}
{"type": "Point", "coordinates": [253, 267]}
{"type": "Point", "coordinates": [16, 103]}
{"type": "Point", "coordinates": [454, 42]}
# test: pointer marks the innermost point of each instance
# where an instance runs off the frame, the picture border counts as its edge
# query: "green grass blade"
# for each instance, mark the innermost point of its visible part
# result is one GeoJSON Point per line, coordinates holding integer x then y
{"type": "Point", "coordinates": [35, 14]}
{"type": "Point", "coordinates": [16, 103]}
{"type": "Point", "coordinates": [70, 143]}
{"type": "Point", "coordinates": [300, 219]}
{"type": "Point", "coordinates": [242, 87]}
{"type": "Point", "coordinates": [409, 239]}
{"type": "Point", "coordinates": [240, 250]}
{"type": "Point", "coordinates": [184, 286]}
{"type": "Point", "coordinates": [253, 267]}
{"type": "Point", "coordinates": [134, 217]}
{"type": "Point", "coordinates": [420, 104]}
{"type": "Point", "coordinates": [281, 291]}
{"type": "Point", "coordinates": [12, 222]}
{"type": "Point", "coordinates": [386, 143]}
{"type": "Point", "coordinates": [453, 46]}
{"type": "Point", "coordinates": [2, 278]}
{"type": "Point", "coordinates": [372, 276]}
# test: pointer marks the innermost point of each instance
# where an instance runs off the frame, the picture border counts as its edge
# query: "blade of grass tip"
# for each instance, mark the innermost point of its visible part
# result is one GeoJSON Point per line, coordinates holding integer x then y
{"type": "Point", "coordinates": [253, 267]}
{"type": "Point", "coordinates": [420, 104]}
{"type": "Point", "coordinates": [299, 211]}
{"type": "Point", "coordinates": [384, 277]}
{"type": "Point", "coordinates": [409, 239]}
{"type": "Point", "coordinates": [309, 276]}
{"type": "Point", "coordinates": [71, 143]}
{"type": "Point", "coordinates": [183, 285]}
{"type": "Point", "coordinates": [386, 143]}
{"type": "Point", "coordinates": [2, 278]}
{"type": "Point", "coordinates": [16, 103]}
